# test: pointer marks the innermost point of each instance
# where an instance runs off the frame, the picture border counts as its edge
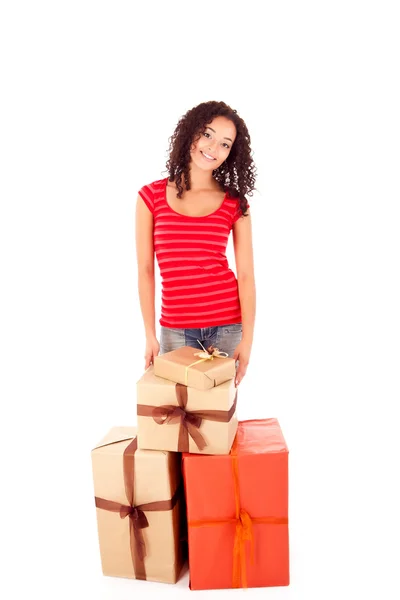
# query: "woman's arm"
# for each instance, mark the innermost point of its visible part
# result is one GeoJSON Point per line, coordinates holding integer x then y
{"type": "Point", "coordinates": [243, 246]}
{"type": "Point", "coordinates": [146, 283]}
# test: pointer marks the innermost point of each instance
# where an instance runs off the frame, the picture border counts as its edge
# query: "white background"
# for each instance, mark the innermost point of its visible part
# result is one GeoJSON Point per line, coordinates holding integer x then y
{"type": "Point", "coordinates": [91, 91]}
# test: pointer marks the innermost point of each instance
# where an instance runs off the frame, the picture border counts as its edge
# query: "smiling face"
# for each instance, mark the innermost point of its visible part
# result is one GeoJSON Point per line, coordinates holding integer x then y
{"type": "Point", "coordinates": [214, 145]}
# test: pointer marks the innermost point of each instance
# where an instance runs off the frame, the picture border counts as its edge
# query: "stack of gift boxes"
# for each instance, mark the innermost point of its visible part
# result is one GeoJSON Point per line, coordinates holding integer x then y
{"type": "Point", "coordinates": [191, 475]}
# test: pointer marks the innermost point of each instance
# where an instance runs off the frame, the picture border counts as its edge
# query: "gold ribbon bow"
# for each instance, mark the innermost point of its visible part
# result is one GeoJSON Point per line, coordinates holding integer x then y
{"type": "Point", "coordinates": [205, 355]}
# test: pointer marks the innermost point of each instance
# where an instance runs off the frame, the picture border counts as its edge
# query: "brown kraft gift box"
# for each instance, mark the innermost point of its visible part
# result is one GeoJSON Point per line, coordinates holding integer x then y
{"type": "Point", "coordinates": [174, 417]}
{"type": "Point", "coordinates": [186, 367]}
{"type": "Point", "coordinates": [139, 505]}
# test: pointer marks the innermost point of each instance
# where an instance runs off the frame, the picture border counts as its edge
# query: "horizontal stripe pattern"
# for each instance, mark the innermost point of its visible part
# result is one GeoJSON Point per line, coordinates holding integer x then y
{"type": "Point", "coordinates": [198, 287]}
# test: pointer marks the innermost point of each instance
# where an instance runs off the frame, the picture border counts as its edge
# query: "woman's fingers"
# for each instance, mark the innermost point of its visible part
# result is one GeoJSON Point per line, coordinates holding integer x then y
{"type": "Point", "coordinates": [240, 373]}
{"type": "Point", "coordinates": [148, 360]}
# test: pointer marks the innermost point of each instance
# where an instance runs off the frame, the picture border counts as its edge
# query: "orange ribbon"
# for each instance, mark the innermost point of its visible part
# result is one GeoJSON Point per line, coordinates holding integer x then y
{"type": "Point", "coordinates": [243, 528]}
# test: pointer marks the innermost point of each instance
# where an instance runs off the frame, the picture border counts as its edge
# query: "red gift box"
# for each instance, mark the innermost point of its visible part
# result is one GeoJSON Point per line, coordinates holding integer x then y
{"type": "Point", "coordinates": [237, 510]}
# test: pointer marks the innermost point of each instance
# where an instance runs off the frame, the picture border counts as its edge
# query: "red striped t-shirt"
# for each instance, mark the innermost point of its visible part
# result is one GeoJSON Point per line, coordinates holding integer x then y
{"type": "Point", "coordinates": [198, 287]}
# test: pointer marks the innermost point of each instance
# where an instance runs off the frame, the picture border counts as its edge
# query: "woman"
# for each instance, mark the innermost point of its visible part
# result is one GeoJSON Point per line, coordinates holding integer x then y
{"type": "Point", "coordinates": [185, 219]}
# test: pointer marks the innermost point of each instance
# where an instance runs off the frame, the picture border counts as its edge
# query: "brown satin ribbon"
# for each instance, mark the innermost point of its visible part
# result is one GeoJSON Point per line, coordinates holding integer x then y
{"type": "Point", "coordinates": [136, 514]}
{"type": "Point", "coordinates": [190, 421]}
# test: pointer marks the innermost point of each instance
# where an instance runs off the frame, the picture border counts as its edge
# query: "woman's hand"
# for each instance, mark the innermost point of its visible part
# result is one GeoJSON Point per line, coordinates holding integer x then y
{"type": "Point", "coordinates": [152, 350]}
{"type": "Point", "coordinates": [242, 354]}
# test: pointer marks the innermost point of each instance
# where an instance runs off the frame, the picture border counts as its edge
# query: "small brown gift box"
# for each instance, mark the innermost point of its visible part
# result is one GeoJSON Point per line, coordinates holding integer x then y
{"type": "Point", "coordinates": [186, 367]}
{"type": "Point", "coordinates": [139, 504]}
{"type": "Point", "coordinates": [174, 417]}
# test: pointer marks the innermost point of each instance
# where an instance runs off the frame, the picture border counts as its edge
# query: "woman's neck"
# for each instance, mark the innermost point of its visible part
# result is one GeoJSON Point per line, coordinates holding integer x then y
{"type": "Point", "coordinates": [200, 179]}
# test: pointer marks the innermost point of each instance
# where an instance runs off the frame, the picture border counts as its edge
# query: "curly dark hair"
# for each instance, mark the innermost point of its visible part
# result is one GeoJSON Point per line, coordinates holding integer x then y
{"type": "Point", "coordinates": [237, 173]}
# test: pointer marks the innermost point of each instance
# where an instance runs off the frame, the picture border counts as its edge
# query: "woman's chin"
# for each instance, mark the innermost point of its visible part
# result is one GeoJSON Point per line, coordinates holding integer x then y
{"type": "Point", "coordinates": [201, 165]}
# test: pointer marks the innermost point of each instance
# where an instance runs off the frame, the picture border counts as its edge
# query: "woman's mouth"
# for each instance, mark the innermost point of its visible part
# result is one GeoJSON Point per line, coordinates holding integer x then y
{"type": "Point", "coordinates": [208, 157]}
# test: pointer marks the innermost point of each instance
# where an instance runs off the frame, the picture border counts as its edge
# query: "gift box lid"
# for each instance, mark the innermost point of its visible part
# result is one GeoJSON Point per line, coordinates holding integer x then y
{"type": "Point", "coordinates": [115, 435]}
{"type": "Point", "coordinates": [262, 456]}
{"type": "Point", "coordinates": [259, 436]}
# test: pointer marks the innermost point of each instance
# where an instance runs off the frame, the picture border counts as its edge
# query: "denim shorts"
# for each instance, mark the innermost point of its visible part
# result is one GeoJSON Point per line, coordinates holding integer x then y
{"type": "Point", "coordinates": [223, 337]}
